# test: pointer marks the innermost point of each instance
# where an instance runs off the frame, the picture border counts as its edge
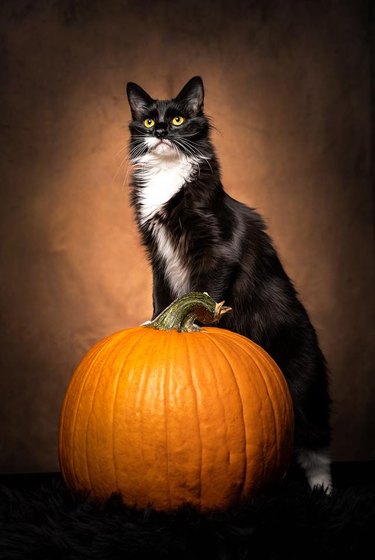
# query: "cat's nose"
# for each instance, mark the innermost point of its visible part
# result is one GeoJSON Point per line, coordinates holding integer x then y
{"type": "Point", "coordinates": [161, 132]}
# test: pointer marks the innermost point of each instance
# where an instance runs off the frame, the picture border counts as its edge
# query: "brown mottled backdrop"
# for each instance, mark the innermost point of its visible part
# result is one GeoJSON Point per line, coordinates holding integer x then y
{"type": "Point", "coordinates": [288, 85]}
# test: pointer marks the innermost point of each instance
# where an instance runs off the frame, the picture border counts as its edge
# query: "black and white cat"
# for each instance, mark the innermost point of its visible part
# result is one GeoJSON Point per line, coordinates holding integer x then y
{"type": "Point", "coordinates": [198, 238]}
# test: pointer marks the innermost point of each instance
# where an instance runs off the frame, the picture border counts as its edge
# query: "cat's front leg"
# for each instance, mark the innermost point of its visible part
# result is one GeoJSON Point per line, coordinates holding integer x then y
{"type": "Point", "coordinates": [213, 282]}
{"type": "Point", "coordinates": [161, 293]}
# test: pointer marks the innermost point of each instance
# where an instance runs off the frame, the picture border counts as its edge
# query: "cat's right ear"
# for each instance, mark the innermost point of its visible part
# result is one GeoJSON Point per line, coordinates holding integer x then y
{"type": "Point", "coordinates": [139, 100]}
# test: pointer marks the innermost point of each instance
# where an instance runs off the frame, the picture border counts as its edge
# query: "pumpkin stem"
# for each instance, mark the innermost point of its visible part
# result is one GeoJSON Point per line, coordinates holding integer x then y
{"type": "Point", "coordinates": [182, 313]}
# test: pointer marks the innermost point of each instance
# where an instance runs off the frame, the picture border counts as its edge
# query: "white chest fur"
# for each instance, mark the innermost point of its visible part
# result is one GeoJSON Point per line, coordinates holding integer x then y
{"type": "Point", "coordinates": [161, 179]}
{"type": "Point", "coordinates": [176, 270]}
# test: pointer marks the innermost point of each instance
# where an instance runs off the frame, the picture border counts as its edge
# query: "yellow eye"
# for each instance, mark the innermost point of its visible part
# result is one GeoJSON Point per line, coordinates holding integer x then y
{"type": "Point", "coordinates": [149, 123]}
{"type": "Point", "coordinates": [177, 121]}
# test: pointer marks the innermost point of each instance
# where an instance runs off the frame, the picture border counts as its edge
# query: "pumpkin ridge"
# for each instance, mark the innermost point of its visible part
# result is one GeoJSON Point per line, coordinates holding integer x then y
{"type": "Point", "coordinates": [113, 407]}
{"type": "Point", "coordinates": [282, 384]}
{"type": "Point", "coordinates": [281, 380]}
{"type": "Point", "coordinates": [275, 425]}
{"type": "Point", "coordinates": [103, 366]}
{"type": "Point", "coordinates": [198, 418]}
{"type": "Point", "coordinates": [219, 398]}
{"type": "Point", "coordinates": [73, 471]}
{"type": "Point", "coordinates": [129, 397]}
{"type": "Point", "coordinates": [243, 347]}
{"type": "Point", "coordinates": [259, 351]}
{"type": "Point", "coordinates": [101, 349]}
{"type": "Point", "coordinates": [168, 362]}
{"type": "Point", "coordinates": [141, 403]}
{"type": "Point", "coordinates": [224, 354]}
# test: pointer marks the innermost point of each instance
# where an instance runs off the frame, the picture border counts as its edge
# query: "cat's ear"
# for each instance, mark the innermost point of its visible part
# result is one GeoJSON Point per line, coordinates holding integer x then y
{"type": "Point", "coordinates": [139, 100]}
{"type": "Point", "coordinates": [192, 95]}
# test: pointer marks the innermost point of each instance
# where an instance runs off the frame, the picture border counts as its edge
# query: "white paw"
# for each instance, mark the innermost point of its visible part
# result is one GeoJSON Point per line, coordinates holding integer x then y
{"type": "Point", "coordinates": [323, 480]}
{"type": "Point", "coordinates": [317, 467]}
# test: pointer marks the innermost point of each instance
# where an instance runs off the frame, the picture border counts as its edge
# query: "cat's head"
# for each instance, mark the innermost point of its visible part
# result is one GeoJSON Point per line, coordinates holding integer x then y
{"type": "Point", "coordinates": [168, 128]}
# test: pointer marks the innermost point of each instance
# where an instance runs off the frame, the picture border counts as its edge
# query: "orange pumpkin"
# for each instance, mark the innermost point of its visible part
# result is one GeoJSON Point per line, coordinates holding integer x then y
{"type": "Point", "coordinates": [168, 413]}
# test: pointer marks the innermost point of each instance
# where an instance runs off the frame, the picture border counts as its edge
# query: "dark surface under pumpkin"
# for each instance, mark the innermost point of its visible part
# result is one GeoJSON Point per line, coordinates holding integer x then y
{"type": "Point", "coordinates": [39, 519]}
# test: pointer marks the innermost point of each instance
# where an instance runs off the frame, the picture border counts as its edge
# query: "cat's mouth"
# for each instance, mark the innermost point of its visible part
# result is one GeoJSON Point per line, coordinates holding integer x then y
{"type": "Point", "coordinates": [162, 146]}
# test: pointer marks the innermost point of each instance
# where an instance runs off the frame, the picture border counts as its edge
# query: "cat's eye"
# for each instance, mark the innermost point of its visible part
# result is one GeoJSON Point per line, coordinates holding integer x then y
{"type": "Point", "coordinates": [149, 123]}
{"type": "Point", "coordinates": [177, 121]}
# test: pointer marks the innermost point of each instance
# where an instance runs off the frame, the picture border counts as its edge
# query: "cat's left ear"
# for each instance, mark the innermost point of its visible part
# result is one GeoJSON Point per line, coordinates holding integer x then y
{"type": "Point", "coordinates": [139, 100]}
{"type": "Point", "coordinates": [192, 95]}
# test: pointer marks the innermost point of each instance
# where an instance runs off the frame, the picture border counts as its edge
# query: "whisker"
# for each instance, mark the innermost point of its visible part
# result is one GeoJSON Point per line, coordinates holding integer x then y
{"type": "Point", "coordinates": [191, 153]}
{"type": "Point", "coordinates": [136, 150]}
{"type": "Point", "coordinates": [192, 149]}
{"type": "Point", "coordinates": [183, 146]}
{"type": "Point", "coordinates": [121, 150]}
{"type": "Point", "coordinates": [120, 167]}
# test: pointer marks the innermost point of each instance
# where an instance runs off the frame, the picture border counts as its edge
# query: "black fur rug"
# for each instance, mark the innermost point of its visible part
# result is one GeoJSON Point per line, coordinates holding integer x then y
{"type": "Point", "coordinates": [42, 521]}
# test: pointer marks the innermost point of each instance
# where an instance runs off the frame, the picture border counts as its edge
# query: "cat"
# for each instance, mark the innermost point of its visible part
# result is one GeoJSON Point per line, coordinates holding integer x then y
{"type": "Point", "coordinates": [198, 238]}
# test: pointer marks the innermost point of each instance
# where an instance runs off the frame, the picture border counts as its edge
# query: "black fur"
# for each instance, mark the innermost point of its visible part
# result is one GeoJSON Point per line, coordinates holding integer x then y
{"type": "Point", "coordinates": [43, 522]}
{"type": "Point", "coordinates": [232, 257]}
